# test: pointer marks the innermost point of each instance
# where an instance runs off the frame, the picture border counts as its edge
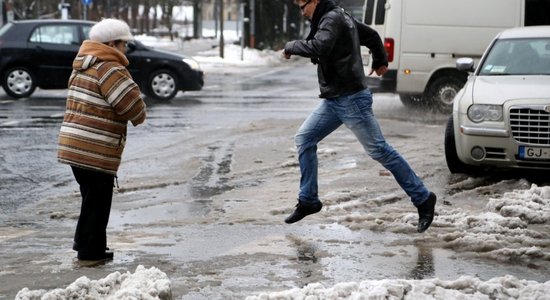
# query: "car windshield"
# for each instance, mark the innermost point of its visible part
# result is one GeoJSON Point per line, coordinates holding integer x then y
{"type": "Point", "coordinates": [529, 56]}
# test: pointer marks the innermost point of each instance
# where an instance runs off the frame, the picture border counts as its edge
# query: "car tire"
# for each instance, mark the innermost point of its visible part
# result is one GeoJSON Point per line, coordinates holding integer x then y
{"type": "Point", "coordinates": [19, 82]}
{"type": "Point", "coordinates": [442, 91]}
{"type": "Point", "coordinates": [162, 85]}
{"type": "Point", "coordinates": [412, 101]}
{"type": "Point", "coordinates": [454, 163]}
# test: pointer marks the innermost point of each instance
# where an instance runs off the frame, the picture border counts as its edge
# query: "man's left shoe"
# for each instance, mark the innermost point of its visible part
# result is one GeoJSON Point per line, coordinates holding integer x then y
{"type": "Point", "coordinates": [426, 213]}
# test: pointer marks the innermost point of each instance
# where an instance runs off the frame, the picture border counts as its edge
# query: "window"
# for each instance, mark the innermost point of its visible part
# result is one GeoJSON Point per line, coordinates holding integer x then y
{"type": "Point", "coordinates": [369, 12]}
{"type": "Point", "coordinates": [380, 12]}
{"type": "Point", "coordinates": [86, 30]}
{"type": "Point", "coordinates": [56, 34]}
{"type": "Point", "coordinates": [518, 57]}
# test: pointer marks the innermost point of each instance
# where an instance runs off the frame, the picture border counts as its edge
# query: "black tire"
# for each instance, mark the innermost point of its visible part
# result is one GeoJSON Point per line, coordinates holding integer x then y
{"type": "Point", "coordinates": [442, 91]}
{"type": "Point", "coordinates": [19, 82]}
{"type": "Point", "coordinates": [162, 85]}
{"type": "Point", "coordinates": [412, 101]}
{"type": "Point", "coordinates": [454, 164]}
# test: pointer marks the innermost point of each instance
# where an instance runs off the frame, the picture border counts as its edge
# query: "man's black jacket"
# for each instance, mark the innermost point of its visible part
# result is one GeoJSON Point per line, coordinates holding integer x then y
{"type": "Point", "coordinates": [336, 45]}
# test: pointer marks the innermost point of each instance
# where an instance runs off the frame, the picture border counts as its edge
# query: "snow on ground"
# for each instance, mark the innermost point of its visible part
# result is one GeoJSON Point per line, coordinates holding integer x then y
{"type": "Point", "coordinates": [209, 57]}
{"type": "Point", "coordinates": [500, 228]}
{"type": "Point", "coordinates": [142, 284]}
{"type": "Point", "coordinates": [499, 232]}
{"type": "Point", "coordinates": [466, 287]}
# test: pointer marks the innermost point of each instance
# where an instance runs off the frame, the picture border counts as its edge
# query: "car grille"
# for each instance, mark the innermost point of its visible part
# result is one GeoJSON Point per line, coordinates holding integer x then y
{"type": "Point", "coordinates": [530, 125]}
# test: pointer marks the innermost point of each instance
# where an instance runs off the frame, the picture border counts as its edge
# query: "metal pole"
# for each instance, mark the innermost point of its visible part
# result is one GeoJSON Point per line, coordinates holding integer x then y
{"type": "Point", "coordinates": [2, 21]}
{"type": "Point", "coordinates": [252, 23]}
{"type": "Point", "coordinates": [241, 17]}
{"type": "Point", "coordinates": [221, 30]}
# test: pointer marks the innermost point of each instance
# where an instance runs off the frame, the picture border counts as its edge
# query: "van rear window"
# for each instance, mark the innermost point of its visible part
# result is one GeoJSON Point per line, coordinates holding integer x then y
{"type": "Point", "coordinates": [380, 12]}
{"type": "Point", "coordinates": [374, 9]}
{"type": "Point", "coordinates": [369, 11]}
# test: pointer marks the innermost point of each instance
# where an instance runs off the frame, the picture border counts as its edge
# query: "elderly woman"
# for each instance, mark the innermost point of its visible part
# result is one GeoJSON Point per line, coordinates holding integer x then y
{"type": "Point", "coordinates": [101, 100]}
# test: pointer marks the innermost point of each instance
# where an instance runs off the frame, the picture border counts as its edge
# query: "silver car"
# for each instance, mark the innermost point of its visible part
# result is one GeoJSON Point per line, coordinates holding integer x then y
{"type": "Point", "coordinates": [501, 117]}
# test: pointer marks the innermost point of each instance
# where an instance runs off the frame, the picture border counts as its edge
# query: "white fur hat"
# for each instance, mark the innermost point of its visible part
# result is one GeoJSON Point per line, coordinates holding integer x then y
{"type": "Point", "coordinates": [110, 30]}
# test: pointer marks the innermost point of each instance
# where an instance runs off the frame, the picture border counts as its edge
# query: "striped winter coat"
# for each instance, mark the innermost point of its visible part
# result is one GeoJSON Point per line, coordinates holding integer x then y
{"type": "Point", "coordinates": [102, 98]}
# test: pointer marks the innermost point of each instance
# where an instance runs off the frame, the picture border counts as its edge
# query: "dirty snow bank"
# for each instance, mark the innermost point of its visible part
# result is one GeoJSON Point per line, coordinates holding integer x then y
{"type": "Point", "coordinates": [466, 287]}
{"type": "Point", "coordinates": [499, 232]}
{"type": "Point", "coordinates": [513, 228]}
{"type": "Point", "coordinates": [510, 228]}
{"type": "Point", "coordinates": [142, 284]}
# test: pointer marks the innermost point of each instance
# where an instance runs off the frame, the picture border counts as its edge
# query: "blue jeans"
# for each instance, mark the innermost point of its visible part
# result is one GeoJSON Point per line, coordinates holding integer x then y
{"type": "Point", "coordinates": [355, 111]}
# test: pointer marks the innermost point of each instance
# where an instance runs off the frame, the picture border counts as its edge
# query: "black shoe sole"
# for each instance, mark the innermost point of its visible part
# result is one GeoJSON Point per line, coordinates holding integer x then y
{"type": "Point", "coordinates": [95, 257]}
{"type": "Point", "coordinates": [302, 211]}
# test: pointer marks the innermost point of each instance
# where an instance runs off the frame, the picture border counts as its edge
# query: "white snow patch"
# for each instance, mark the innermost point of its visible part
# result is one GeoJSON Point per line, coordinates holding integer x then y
{"type": "Point", "coordinates": [465, 287]}
{"type": "Point", "coordinates": [147, 284]}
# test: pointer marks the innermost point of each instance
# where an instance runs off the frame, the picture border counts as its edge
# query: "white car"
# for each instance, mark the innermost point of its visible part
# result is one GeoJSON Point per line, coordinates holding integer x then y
{"type": "Point", "coordinates": [501, 117]}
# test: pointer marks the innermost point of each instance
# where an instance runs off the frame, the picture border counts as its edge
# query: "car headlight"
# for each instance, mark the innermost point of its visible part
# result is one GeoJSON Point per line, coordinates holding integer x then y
{"type": "Point", "coordinates": [193, 64]}
{"type": "Point", "coordinates": [485, 112]}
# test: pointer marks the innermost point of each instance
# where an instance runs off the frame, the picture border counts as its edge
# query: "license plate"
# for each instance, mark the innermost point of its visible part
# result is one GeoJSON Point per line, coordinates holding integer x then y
{"type": "Point", "coordinates": [536, 153]}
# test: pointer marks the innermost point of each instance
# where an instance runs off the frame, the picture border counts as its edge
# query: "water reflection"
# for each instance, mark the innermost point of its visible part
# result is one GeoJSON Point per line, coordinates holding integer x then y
{"type": "Point", "coordinates": [424, 267]}
{"type": "Point", "coordinates": [308, 266]}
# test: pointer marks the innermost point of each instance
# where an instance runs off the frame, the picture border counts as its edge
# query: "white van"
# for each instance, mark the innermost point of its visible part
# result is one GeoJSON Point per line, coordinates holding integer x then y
{"type": "Point", "coordinates": [424, 38]}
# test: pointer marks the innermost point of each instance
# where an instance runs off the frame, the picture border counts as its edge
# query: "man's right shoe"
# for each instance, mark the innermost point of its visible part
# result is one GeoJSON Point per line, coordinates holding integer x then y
{"type": "Point", "coordinates": [107, 255]}
{"type": "Point", "coordinates": [302, 210]}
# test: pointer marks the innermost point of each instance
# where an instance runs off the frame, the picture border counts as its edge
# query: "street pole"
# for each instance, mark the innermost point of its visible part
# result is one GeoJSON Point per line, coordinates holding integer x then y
{"type": "Point", "coordinates": [242, 21]}
{"type": "Point", "coordinates": [252, 23]}
{"type": "Point", "coordinates": [221, 30]}
{"type": "Point", "coordinates": [2, 21]}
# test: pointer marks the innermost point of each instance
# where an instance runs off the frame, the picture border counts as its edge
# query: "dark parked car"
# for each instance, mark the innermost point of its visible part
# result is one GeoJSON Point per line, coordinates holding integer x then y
{"type": "Point", "coordinates": [39, 53]}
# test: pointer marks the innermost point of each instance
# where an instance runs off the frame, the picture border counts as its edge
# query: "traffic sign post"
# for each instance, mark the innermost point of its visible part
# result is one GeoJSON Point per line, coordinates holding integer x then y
{"type": "Point", "coordinates": [86, 3]}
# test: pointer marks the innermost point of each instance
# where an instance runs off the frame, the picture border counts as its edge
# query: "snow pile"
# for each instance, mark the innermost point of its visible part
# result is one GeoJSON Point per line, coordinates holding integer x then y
{"type": "Point", "coordinates": [233, 54]}
{"type": "Point", "coordinates": [531, 206]}
{"type": "Point", "coordinates": [501, 232]}
{"type": "Point", "coordinates": [142, 284]}
{"type": "Point", "coordinates": [466, 287]}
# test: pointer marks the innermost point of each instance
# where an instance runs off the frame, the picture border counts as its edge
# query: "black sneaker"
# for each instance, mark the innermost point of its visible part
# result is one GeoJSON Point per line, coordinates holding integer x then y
{"type": "Point", "coordinates": [76, 247]}
{"type": "Point", "coordinates": [107, 255]}
{"type": "Point", "coordinates": [426, 213]}
{"type": "Point", "coordinates": [302, 210]}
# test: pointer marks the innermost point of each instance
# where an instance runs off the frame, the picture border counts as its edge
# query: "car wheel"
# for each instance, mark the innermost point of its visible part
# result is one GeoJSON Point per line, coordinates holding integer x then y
{"type": "Point", "coordinates": [442, 91]}
{"type": "Point", "coordinates": [412, 101]}
{"type": "Point", "coordinates": [163, 85]}
{"type": "Point", "coordinates": [454, 164]}
{"type": "Point", "coordinates": [18, 82]}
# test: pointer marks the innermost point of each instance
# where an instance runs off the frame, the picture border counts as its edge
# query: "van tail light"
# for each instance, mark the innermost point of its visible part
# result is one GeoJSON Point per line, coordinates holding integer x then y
{"type": "Point", "coordinates": [389, 45]}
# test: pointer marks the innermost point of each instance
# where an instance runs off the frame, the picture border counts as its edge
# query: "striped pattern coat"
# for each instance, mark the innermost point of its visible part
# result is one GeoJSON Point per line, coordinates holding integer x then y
{"type": "Point", "coordinates": [101, 100]}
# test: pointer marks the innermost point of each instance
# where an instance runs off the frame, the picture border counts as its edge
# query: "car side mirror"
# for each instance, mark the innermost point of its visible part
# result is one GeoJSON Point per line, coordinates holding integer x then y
{"type": "Point", "coordinates": [465, 64]}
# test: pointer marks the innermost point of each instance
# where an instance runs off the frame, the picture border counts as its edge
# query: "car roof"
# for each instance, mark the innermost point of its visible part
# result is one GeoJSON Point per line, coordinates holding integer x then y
{"type": "Point", "coordinates": [525, 32]}
{"type": "Point", "coordinates": [52, 21]}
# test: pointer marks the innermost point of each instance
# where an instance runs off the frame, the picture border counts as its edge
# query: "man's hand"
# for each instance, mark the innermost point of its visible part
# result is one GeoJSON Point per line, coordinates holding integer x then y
{"type": "Point", "coordinates": [287, 56]}
{"type": "Point", "coordinates": [380, 71]}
